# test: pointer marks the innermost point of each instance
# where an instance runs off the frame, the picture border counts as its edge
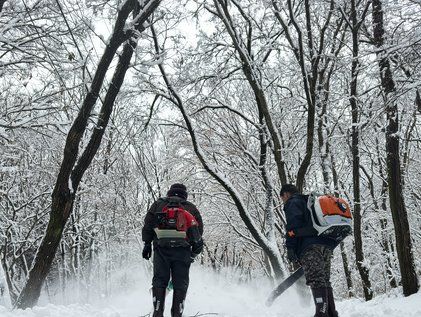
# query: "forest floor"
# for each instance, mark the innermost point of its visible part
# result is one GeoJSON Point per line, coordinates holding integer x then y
{"type": "Point", "coordinates": [213, 294]}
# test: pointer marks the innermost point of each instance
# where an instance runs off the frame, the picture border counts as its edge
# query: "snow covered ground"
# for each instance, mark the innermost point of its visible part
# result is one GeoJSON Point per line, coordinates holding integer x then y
{"type": "Point", "coordinates": [211, 294]}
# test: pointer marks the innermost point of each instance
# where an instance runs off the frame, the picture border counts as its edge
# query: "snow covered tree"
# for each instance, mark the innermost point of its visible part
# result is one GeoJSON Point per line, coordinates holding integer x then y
{"type": "Point", "coordinates": [355, 25]}
{"type": "Point", "coordinates": [73, 167]}
{"type": "Point", "coordinates": [251, 94]}
{"type": "Point", "coordinates": [394, 168]}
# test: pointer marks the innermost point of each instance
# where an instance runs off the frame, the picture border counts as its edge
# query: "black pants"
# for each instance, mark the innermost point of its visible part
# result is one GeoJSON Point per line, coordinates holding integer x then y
{"type": "Point", "coordinates": [171, 263]}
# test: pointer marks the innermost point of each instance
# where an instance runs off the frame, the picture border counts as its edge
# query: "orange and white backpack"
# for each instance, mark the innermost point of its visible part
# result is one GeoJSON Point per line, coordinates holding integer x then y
{"type": "Point", "coordinates": [330, 216]}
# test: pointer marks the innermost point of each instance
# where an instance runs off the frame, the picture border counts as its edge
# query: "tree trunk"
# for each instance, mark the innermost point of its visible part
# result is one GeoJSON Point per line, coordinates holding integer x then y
{"type": "Point", "coordinates": [344, 256]}
{"type": "Point", "coordinates": [394, 177]}
{"type": "Point", "coordinates": [267, 246]}
{"type": "Point", "coordinates": [63, 196]}
{"type": "Point", "coordinates": [383, 223]}
{"type": "Point", "coordinates": [310, 74]}
{"type": "Point", "coordinates": [60, 210]}
{"type": "Point", "coordinates": [2, 4]}
{"type": "Point", "coordinates": [323, 146]}
{"type": "Point", "coordinates": [387, 244]}
{"type": "Point", "coordinates": [418, 100]}
{"type": "Point", "coordinates": [355, 148]}
{"type": "Point", "coordinates": [5, 284]}
{"type": "Point", "coordinates": [249, 70]}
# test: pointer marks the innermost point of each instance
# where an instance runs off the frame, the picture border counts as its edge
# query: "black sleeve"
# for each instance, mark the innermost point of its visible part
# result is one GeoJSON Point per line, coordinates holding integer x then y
{"type": "Point", "coordinates": [149, 223]}
{"type": "Point", "coordinates": [197, 246]}
{"type": "Point", "coordinates": [195, 212]}
{"type": "Point", "coordinates": [294, 213]}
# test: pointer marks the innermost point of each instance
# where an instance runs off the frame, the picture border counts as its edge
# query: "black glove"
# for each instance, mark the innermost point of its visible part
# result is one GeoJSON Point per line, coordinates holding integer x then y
{"type": "Point", "coordinates": [292, 257]}
{"type": "Point", "coordinates": [147, 251]}
{"type": "Point", "coordinates": [197, 246]}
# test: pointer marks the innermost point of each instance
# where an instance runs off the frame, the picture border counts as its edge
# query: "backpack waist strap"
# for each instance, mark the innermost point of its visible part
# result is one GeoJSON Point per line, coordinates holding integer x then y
{"type": "Point", "coordinates": [169, 233]}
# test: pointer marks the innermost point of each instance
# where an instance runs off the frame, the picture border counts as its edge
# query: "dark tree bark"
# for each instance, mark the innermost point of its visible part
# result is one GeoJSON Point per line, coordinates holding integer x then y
{"type": "Point", "coordinates": [348, 276]}
{"type": "Point", "coordinates": [394, 176]}
{"type": "Point", "coordinates": [386, 239]}
{"type": "Point", "coordinates": [355, 149]}
{"type": "Point", "coordinates": [71, 173]}
{"type": "Point", "coordinates": [310, 82]}
{"type": "Point", "coordinates": [418, 101]}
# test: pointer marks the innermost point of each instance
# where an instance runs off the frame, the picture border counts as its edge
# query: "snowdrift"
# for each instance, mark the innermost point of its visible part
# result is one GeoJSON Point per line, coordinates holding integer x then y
{"type": "Point", "coordinates": [213, 294]}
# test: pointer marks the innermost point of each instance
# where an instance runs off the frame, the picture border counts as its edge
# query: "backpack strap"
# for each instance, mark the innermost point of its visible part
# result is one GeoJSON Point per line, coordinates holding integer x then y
{"type": "Point", "coordinates": [334, 230]}
{"type": "Point", "coordinates": [309, 231]}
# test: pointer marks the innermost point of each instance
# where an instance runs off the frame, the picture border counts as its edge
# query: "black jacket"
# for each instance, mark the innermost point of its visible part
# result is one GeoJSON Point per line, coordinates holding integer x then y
{"type": "Point", "coordinates": [298, 216]}
{"type": "Point", "coordinates": [148, 234]}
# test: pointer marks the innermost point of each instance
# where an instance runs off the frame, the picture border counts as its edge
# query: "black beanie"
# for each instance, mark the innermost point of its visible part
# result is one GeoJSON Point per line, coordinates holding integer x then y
{"type": "Point", "coordinates": [288, 188]}
{"type": "Point", "coordinates": [178, 190]}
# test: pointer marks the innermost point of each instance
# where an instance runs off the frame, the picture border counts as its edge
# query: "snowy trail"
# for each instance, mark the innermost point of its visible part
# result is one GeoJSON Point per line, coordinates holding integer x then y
{"type": "Point", "coordinates": [215, 295]}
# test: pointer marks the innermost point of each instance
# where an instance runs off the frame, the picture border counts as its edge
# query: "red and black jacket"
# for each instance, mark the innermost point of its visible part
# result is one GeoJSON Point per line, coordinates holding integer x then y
{"type": "Point", "coordinates": [150, 224]}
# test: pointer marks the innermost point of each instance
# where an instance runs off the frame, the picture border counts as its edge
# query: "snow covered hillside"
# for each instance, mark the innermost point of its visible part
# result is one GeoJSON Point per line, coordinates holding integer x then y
{"type": "Point", "coordinates": [211, 294]}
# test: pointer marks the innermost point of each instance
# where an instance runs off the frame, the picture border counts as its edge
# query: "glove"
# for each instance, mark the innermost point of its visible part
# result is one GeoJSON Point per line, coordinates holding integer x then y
{"type": "Point", "coordinates": [197, 247]}
{"type": "Point", "coordinates": [292, 257]}
{"type": "Point", "coordinates": [147, 251]}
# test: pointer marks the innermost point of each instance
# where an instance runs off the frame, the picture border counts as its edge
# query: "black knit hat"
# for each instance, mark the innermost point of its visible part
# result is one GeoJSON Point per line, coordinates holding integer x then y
{"type": "Point", "coordinates": [288, 188]}
{"type": "Point", "coordinates": [178, 190]}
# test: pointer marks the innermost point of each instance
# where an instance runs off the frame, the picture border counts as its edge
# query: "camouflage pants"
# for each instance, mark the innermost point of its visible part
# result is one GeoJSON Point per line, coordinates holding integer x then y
{"type": "Point", "coordinates": [315, 261]}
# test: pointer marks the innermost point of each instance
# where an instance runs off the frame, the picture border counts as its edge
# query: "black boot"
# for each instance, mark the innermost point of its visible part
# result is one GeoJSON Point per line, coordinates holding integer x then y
{"type": "Point", "coordinates": [331, 302]}
{"type": "Point", "coordinates": [320, 296]}
{"type": "Point", "coordinates": [178, 303]}
{"type": "Point", "coordinates": [158, 301]}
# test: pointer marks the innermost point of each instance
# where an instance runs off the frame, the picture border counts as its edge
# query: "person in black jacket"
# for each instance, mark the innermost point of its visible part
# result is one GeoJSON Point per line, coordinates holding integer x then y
{"type": "Point", "coordinates": [313, 253]}
{"type": "Point", "coordinates": [174, 249]}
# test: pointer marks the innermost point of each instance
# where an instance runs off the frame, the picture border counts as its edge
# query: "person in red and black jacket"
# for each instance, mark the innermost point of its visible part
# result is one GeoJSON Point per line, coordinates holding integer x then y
{"type": "Point", "coordinates": [174, 250]}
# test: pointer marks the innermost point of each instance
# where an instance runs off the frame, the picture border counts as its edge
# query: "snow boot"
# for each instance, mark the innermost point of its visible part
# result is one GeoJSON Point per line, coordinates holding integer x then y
{"type": "Point", "coordinates": [331, 303]}
{"type": "Point", "coordinates": [178, 303]}
{"type": "Point", "coordinates": [320, 296]}
{"type": "Point", "coordinates": [158, 301]}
